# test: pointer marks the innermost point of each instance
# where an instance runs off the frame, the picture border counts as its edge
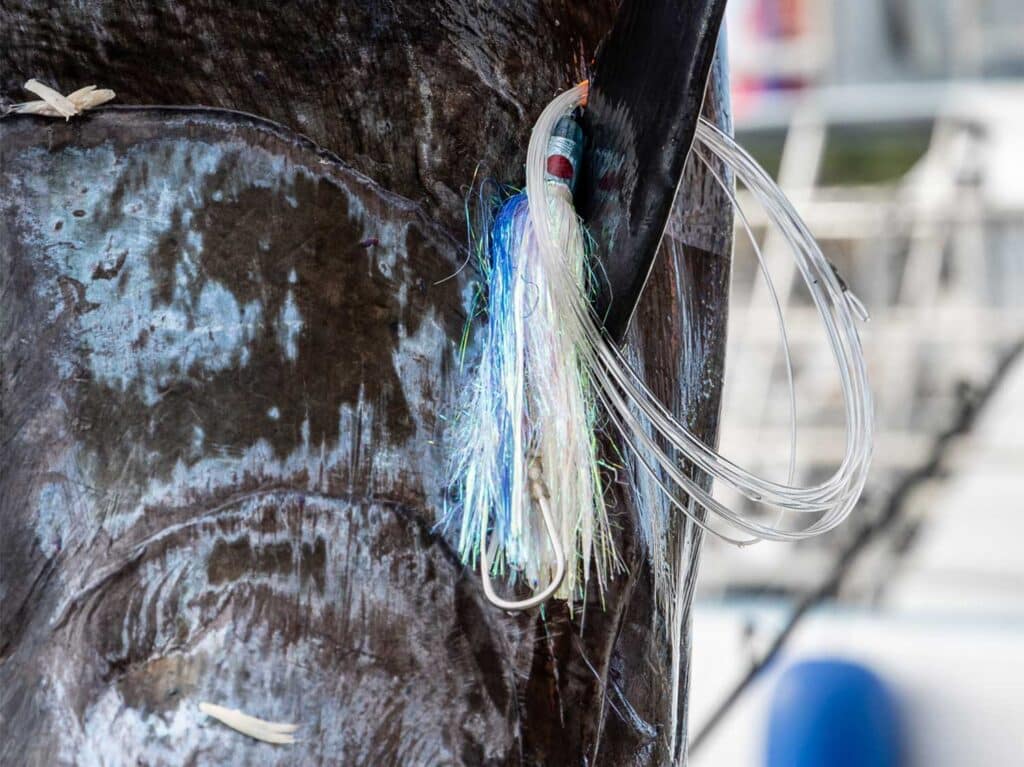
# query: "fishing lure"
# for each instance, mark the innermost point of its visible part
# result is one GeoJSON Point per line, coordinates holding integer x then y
{"type": "Point", "coordinates": [531, 491]}
{"type": "Point", "coordinates": [527, 464]}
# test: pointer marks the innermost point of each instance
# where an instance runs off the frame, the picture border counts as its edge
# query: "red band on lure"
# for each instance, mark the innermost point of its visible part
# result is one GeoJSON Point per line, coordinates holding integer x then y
{"type": "Point", "coordinates": [560, 166]}
{"type": "Point", "coordinates": [565, 148]}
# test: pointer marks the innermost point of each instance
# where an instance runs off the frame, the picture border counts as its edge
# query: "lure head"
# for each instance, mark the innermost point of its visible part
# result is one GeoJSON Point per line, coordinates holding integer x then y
{"type": "Point", "coordinates": [565, 150]}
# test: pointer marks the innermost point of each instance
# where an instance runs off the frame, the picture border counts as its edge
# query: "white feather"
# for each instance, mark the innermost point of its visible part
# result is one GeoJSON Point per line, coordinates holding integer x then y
{"type": "Point", "coordinates": [279, 733]}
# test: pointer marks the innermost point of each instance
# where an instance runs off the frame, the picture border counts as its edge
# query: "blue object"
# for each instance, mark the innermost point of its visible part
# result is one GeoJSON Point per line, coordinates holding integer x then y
{"type": "Point", "coordinates": [832, 713]}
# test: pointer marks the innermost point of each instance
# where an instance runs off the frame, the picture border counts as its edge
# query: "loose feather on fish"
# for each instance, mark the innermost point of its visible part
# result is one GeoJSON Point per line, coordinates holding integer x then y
{"type": "Point", "coordinates": [279, 733]}
{"type": "Point", "coordinates": [54, 104]}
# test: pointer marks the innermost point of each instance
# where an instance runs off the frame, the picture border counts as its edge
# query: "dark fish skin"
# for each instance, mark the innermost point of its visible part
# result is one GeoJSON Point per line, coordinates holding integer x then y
{"type": "Point", "coordinates": [227, 365]}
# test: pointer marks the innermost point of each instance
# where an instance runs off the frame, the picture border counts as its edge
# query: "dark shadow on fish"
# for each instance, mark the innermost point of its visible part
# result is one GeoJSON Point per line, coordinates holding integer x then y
{"type": "Point", "coordinates": [646, 94]}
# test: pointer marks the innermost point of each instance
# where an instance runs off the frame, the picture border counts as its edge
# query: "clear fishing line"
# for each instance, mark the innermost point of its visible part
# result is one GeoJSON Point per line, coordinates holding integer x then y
{"type": "Point", "coordinates": [631, 405]}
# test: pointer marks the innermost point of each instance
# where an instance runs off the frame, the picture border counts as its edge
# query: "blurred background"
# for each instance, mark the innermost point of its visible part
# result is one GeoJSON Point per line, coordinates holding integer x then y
{"type": "Point", "coordinates": [897, 129]}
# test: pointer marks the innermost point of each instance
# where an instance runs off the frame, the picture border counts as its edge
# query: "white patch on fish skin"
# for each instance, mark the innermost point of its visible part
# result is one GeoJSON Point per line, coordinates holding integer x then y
{"type": "Point", "coordinates": [169, 337]}
{"type": "Point", "coordinates": [198, 438]}
{"type": "Point", "coordinates": [420, 370]}
{"type": "Point", "coordinates": [212, 331]}
{"type": "Point", "coordinates": [289, 326]}
{"type": "Point", "coordinates": [163, 317]}
{"type": "Point", "coordinates": [52, 502]}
